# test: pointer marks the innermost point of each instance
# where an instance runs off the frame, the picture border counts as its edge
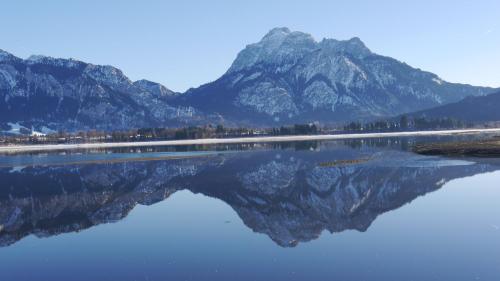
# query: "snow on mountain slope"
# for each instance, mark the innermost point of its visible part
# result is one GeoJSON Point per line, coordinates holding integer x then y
{"type": "Point", "coordinates": [66, 94]}
{"type": "Point", "coordinates": [290, 77]}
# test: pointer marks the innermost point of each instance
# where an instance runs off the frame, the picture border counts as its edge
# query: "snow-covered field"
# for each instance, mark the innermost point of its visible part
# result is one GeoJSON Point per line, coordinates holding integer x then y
{"type": "Point", "coordinates": [24, 148]}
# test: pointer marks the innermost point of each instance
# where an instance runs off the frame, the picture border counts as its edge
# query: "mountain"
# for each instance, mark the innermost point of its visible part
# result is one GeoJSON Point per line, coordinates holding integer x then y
{"type": "Point", "coordinates": [290, 195]}
{"type": "Point", "coordinates": [289, 77]}
{"type": "Point", "coordinates": [64, 94]}
{"type": "Point", "coordinates": [473, 109]}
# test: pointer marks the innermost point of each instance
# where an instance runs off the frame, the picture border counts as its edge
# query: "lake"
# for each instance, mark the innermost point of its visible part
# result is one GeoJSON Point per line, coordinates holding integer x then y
{"type": "Point", "coordinates": [333, 210]}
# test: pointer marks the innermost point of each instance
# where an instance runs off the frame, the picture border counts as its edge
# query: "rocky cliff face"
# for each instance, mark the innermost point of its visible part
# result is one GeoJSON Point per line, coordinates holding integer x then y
{"type": "Point", "coordinates": [289, 77]}
{"type": "Point", "coordinates": [66, 94]}
{"type": "Point", "coordinates": [291, 196]}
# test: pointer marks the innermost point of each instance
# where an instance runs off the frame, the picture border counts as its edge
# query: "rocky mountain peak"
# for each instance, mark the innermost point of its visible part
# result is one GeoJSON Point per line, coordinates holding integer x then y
{"type": "Point", "coordinates": [58, 62]}
{"type": "Point", "coordinates": [5, 56]}
{"type": "Point", "coordinates": [353, 46]}
{"type": "Point", "coordinates": [154, 88]}
{"type": "Point", "coordinates": [108, 75]}
{"type": "Point", "coordinates": [280, 46]}
{"type": "Point", "coordinates": [38, 58]}
{"type": "Point", "coordinates": [275, 33]}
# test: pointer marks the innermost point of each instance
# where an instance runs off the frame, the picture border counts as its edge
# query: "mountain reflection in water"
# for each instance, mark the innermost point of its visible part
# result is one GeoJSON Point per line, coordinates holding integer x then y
{"type": "Point", "coordinates": [291, 195]}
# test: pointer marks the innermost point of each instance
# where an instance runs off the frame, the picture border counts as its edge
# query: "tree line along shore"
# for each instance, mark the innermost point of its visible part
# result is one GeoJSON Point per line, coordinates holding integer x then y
{"type": "Point", "coordinates": [219, 131]}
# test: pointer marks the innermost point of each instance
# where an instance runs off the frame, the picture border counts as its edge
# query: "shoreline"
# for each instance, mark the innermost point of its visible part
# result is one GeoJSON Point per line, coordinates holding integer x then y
{"type": "Point", "coordinates": [481, 148]}
{"type": "Point", "coordinates": [110, 161]}
{"type": "Point", "coordinates": [50, 147]}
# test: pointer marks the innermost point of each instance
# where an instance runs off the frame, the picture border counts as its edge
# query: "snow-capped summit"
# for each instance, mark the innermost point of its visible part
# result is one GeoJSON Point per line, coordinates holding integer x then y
{"type": "Point", "coordinates": [278, 46]}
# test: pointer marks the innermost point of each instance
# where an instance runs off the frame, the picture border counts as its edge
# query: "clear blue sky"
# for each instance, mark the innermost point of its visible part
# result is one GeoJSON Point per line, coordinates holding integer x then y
{"type": "Point", "coordinates": [186, 43]}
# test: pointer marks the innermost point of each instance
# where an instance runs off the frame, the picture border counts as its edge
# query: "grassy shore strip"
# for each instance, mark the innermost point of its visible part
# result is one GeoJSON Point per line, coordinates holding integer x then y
{"type": "Point", "coordinates": [27, 148]}
{"type": "Point", "coordinates": [488, 148]}
{"type": "Point", "coordinates": [347, 162]}
{"type": "Point", "coordinates": [108, 161]}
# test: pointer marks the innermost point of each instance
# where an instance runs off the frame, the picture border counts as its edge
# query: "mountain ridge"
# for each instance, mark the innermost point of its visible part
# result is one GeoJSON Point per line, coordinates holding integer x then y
{"type": "Point", "coordinates": [287, 77]}
{"type": "Point", "coordinates": [471, 109]}
{"type": "Point", "coordinates": [68, 94]}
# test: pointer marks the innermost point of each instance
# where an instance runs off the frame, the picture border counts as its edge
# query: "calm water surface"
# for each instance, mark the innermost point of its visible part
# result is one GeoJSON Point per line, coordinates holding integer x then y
{"type": "Point", "coordinates": [359, 210]}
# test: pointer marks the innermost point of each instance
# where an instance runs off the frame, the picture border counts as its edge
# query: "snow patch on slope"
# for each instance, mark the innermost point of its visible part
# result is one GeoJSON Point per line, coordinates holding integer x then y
{"type": "Point", "coordinates": [267, 98]}
{"type": "Point", "coordinates": [320, 95]}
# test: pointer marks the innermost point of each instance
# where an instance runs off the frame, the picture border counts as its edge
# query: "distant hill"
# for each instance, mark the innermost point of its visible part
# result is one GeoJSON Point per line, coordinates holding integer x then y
{"type": "Point", "coordinates": [473, 109]}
